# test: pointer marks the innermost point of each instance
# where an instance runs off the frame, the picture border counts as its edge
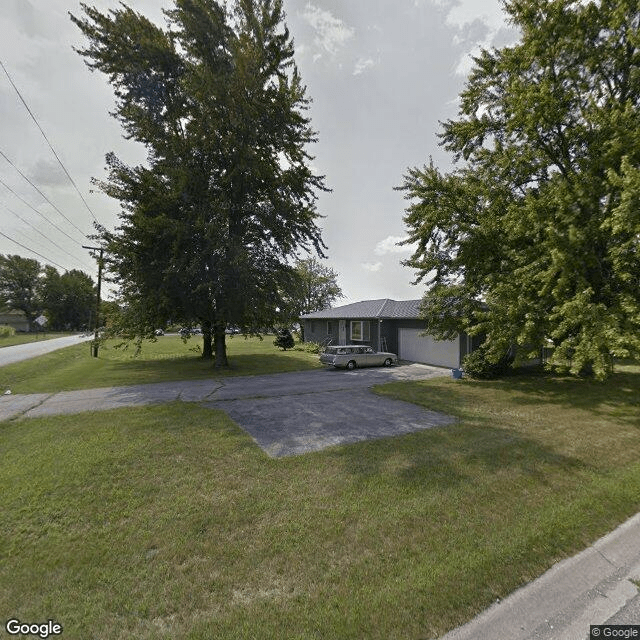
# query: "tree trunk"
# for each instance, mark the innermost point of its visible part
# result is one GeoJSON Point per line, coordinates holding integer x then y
{"type": "Point", "coordinates": [207, 347]}
{"type": "Point", "coordinates": [220, 346]}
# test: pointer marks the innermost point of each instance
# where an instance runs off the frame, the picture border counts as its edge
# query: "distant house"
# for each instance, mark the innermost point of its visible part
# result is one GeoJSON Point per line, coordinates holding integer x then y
{"type": "Point", "coordinates": [15, 319]}
{"type": "Point", "coordinates": [386, 325]}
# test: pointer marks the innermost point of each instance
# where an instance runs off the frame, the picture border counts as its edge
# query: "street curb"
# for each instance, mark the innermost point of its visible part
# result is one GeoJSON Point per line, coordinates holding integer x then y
{"type": "Point", "coordinates": [564, 601]}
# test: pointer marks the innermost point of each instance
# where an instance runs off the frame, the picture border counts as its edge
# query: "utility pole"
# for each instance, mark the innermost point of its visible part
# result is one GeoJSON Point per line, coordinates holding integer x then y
{"type": "Point", "coordinates": [95, 336]}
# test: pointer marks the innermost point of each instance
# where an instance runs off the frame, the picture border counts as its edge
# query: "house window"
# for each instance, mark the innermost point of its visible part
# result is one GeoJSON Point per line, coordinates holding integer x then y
{"type": "Point", "coordinates": [329, 330]}
{"type": "Point", "coordinates": [360, 330]}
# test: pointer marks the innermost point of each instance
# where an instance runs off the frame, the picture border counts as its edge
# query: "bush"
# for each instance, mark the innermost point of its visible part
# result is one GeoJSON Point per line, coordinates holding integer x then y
{"type": "Point", "coordinates": [477, 365]}
{"type": "Point", "coordinates": [6, 331]}
{"type": "Point", "coordinates": [309, 347]}
{"type": "Point", "coordinates": [284, 339]}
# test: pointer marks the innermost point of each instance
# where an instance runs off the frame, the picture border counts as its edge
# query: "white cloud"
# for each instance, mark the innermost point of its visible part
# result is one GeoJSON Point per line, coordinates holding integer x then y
{"type": "Point", "coordinates": [331, 32]}
{"type": "Point", "coordinates": [362, 64]}
{"type": "Point", "coordinates": [371, 266]}
{"type": "Point", "coordinates": [390, 245]}
{"type": "Point", "coordinates": [466, 16]}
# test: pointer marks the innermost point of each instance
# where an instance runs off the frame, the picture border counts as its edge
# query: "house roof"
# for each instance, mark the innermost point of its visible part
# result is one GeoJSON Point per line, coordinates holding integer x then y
{"type": "Point", "coordinates": [379, 309]}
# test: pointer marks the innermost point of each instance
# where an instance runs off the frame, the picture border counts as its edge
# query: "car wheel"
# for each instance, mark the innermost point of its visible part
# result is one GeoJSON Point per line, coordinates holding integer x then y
{"type": "Point", "coordinates": [387, 362]}
{"type": "Point", "coordinates": [351, 364]}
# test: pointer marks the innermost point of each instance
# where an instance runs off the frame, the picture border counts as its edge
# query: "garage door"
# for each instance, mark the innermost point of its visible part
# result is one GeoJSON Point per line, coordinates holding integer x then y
{"type": "Point", "coordinates": [417, 348]}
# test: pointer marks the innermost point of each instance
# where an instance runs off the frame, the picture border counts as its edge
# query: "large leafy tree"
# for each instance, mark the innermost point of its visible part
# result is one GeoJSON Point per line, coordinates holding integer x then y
{"type": "Point", "coordinates": [69, 299]}
{"type": "Point", "coordinates": [19, 285]}
{"type": "Point", "coordinates": [535, 235]}
{"type": "Point", "coordinates": [209, 224]}
{"type": "Point", "coordinates": [316, 287]}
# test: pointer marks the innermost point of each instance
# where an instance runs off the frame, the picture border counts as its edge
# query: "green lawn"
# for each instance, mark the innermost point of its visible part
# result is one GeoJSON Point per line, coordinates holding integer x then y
{"type": "Point", "coordinates": [23, 338]}
{"type": "Point", "coordinates": [169, 358]}
{"type": "Point", "coordinates": [169, 522]}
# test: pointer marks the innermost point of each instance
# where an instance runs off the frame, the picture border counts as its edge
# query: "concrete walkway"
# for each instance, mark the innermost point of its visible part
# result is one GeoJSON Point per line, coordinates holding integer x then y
{"type": "Point", "coordinates": [595, 587]}
{"type": "Point", "coordinates": [19, 352]}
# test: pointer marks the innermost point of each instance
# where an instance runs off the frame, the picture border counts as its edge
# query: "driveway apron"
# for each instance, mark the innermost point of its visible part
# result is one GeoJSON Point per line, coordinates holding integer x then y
{"type": "Point", "coordinates": [307, 422]}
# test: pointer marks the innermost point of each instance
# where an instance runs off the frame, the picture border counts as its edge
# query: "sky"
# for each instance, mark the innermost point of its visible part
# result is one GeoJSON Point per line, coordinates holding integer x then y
{"type": "Point", "coordinates": [381, 74]}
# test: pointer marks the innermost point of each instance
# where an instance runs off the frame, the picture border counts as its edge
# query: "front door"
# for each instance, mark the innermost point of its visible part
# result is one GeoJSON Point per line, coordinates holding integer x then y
{"type": "Point", "coordinates": [342, 332]}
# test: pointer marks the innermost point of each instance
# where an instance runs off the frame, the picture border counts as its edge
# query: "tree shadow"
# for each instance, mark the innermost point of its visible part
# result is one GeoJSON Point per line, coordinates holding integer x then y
{"type": "Point", "coordinates": [194, 367]}
{"type": "Point", "coordinates": [447, 457]}
{"type": "Point", "coordinates": [617, 398]}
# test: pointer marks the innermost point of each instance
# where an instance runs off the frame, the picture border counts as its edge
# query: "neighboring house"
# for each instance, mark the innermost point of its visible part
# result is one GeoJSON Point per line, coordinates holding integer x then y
{"type": "Point", "coordinates": [386, 325]}
{"type": "Point", "coordinates": [15, 319]}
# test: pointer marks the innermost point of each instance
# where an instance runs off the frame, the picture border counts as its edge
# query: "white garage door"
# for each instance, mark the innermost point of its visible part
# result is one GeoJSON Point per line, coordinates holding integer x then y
{"type": "Point", "coordinates": [417, 348]}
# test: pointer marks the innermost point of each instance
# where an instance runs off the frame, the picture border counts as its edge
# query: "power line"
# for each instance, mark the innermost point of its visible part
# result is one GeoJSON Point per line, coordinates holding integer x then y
{"type": "Point", "coordinates": [40, 192]}
{"type": "Point", "coordinates": [6, 186]}
{"type": "Point", "coordinates": [55, 244]}
{"type": "Point", "coordinates": [44, 135]}
{"type": "Point", "coordinates": [32, 251]}
{"type": "Point", "coordinates": [23, 237]}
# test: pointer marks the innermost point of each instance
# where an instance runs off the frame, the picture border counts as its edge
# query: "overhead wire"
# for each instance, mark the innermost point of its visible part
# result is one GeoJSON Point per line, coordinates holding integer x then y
{"type": "Point", "coordinates": [4, 155]}
{"type": "Point", "coordinates": [55, 244]}
{"type": "Point", "coordinates": [55, 226]}
{"type": "Point", "coordinates": [44, 135]}
{"type": "Point", "coordinates": [21, 235]}
{"type": "Point", "coordinates": [4, 235]}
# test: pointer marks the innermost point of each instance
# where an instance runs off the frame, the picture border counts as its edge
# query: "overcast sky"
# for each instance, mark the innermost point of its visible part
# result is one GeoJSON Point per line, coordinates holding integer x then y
{"type": "Point", "coordinates": [381, 74]}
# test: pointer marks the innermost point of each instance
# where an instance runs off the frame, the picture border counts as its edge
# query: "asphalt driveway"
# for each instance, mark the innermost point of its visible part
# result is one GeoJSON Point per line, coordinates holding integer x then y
{"type": "Point", "coordinates": [286, 414]}
{"type": "Point", "coordinates": [296, 424]}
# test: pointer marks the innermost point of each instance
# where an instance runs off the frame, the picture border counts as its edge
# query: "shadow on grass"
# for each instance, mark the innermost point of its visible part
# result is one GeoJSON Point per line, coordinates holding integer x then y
{"type": "Point", "coordinates": [195, 367]}
{"type": "Point", "coordinates": [448, 457]}
{"type": "Point", "coordinates": [618, 397]}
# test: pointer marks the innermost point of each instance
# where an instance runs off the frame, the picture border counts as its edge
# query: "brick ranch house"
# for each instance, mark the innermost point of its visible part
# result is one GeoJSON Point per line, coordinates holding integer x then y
{"type": "Point", "coordinates": [386, 325]}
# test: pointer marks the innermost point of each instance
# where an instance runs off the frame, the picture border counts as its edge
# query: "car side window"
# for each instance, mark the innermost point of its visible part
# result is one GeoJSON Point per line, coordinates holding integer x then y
{"type": "Point", "coordinates": [368, 350]}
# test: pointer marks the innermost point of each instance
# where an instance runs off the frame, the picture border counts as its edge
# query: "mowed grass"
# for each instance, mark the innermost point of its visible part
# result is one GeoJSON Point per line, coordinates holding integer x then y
{"type": "Point", "coordinates": [169, 358]}
{"type": "Point", "coordinates": [169, 522]}
{"type": "Point", "coordinates": [24, 338]}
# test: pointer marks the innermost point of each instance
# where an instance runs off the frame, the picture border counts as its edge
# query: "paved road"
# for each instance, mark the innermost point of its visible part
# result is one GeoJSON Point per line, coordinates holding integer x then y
{"type": "Point", "coordinates": [286, 414]}
{"type": "Point", "coordinates": [18, 352]}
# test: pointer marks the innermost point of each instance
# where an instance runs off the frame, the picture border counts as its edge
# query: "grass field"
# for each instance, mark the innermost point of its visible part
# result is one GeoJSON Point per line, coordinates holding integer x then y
{"type": "Point", "coordinates": [169, 358]}
{"type": "Point", "coordinates": [23, 338]}
{"type": "Point", "coordinates": [169, 522]}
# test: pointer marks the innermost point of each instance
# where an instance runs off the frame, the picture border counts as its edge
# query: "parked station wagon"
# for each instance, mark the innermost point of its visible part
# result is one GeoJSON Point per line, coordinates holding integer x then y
{"type": "Point", "coordinates": [352, 356]}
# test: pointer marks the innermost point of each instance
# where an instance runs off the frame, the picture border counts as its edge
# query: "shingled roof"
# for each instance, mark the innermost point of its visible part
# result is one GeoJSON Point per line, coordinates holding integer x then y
{"type": "Point", "coordinates": [379, 309]}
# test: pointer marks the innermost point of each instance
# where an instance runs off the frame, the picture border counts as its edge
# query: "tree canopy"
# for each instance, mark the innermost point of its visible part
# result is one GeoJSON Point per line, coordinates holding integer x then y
{"type": "Point", "coordinates": [67, 299]}
{"type": "Point", "coordinates": [19, 283]}
{"type": "Point", "coordinates": [226, 199]}
{"type": "Point", "coordinates": [315, 289]}
{"type": "Point", "coordinates": [535, 234]}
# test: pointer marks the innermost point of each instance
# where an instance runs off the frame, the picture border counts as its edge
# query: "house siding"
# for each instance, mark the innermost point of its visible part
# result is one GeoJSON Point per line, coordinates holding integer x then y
{"type": "Point", "coordinates": [318, 331]}
{"type": "Point", "coordinates": [15, 319]}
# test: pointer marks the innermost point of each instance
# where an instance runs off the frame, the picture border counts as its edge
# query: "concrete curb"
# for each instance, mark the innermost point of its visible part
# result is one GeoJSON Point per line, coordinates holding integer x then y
{"type": "Point", "coordinates": [588, 588]}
